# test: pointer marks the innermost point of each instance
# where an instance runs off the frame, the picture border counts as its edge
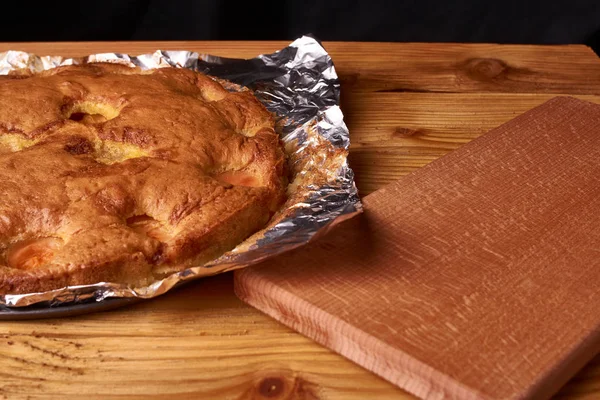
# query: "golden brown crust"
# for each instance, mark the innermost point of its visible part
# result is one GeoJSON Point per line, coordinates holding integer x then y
{"type": "Point", "coordinates": [113, 174]}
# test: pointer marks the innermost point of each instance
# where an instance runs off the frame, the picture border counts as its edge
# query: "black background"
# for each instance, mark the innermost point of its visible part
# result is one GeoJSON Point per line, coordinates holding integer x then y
{"type": "Point", "coordinates": [534, 21]}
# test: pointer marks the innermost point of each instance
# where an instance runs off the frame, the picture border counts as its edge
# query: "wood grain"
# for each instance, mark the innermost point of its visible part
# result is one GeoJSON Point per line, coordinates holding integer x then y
{"type": "Point", "coordinates": [198, 342]}
{"type": "Point", "coordinates": [402, 67]}
{"type": "Point", "coordinates": [170, 338]}
{"type": "Point", "coordinates": [394, 134]}
{"type": "Point", "coordinates": [456, 280]}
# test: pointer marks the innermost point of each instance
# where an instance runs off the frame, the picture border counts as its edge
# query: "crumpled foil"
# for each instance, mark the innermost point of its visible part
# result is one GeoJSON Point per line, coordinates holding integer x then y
{"type": "Point", "coordinates": [299, 85]}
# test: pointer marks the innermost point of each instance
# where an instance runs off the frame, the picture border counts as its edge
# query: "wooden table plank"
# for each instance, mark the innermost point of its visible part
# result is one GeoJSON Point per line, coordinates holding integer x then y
{"type": "Point", "coordinates": [414, 67]}
{"type": "Point", "coordinates": [394, 134]}
{"type": "Point", "coordinates": [198, 340]}
{"type": "Point", "coordinates": [201, 340]}
{"type": "Point", "coordinates": [402, 67]}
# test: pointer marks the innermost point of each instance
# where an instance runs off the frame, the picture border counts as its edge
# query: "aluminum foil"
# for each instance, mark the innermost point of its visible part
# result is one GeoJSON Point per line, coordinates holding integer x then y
{"type": "Point", "coordinates": [299, 85]}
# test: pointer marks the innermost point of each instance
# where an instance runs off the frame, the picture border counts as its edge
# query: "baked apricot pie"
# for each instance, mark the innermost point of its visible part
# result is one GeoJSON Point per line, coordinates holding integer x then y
{"type": "Point", "coordinates": [113, 174]}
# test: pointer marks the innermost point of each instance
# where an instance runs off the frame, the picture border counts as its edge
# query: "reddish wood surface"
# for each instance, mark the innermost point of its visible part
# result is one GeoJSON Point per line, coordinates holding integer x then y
{"type": "Point", "coordinates": [474, 277]}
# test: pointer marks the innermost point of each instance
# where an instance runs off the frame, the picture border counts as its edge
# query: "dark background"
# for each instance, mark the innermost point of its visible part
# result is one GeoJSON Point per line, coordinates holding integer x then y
{"type": "Point", "coordinates": [534, 21]}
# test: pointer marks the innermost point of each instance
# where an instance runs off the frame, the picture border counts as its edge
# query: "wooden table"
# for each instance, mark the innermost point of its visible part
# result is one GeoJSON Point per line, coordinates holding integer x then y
{"type": "Point", "coordinates": [405, 105]}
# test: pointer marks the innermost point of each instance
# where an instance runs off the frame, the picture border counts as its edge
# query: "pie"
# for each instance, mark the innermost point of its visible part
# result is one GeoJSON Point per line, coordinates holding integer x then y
{"type": "Point", "coordinates": [113, 174]}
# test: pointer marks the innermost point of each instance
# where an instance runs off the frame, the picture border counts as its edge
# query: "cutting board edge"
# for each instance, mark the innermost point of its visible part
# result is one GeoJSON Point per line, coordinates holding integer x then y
{"type": "Point", "coordinates": [417, 384]}
{"type": "Point", "coordinates": [546, 386]}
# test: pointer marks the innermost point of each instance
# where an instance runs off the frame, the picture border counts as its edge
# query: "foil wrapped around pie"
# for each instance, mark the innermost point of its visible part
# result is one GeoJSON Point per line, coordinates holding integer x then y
{"type": "Point", "coordinates": [299, 85]}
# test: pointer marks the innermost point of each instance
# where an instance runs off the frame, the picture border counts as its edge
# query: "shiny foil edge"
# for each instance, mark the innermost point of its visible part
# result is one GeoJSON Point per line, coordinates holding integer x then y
{"type": "Point", "coordinates": [300, 86]}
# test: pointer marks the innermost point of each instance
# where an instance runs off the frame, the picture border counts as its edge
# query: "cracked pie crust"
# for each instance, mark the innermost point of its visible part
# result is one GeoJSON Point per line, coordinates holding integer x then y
{"type": "Point", "coordinates": [113, 174]}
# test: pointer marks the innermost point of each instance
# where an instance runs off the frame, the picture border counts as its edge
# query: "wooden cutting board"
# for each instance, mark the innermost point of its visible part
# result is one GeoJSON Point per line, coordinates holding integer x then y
{"type": "Point", "coordinates": [477, 276]}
